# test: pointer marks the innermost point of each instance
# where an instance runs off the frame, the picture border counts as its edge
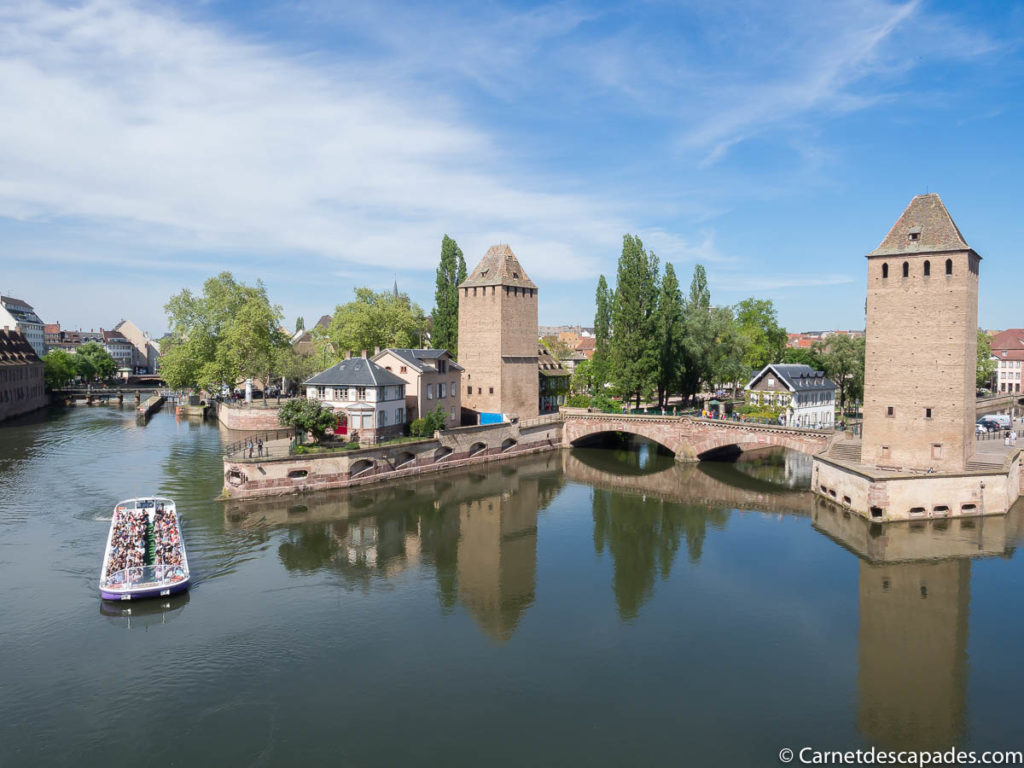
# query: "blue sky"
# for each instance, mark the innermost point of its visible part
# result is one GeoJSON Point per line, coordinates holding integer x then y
{"type": "Point", "coordinates": [323, 145]}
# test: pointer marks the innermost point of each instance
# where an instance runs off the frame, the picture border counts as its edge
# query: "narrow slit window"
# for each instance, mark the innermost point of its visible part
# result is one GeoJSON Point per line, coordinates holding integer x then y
{"type": "Point", "coordinates": [927, 268]}
{"type": "Point", "coordinates": [906, 269]}
{"type": "Point", "coordinates": [949, 266]}
{"type": "Point", "coordinates": [885, 271]}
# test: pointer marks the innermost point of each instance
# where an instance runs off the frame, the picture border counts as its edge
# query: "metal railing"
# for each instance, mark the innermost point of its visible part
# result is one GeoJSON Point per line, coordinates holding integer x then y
{"type": "Point", "coordinates": [240, 448]}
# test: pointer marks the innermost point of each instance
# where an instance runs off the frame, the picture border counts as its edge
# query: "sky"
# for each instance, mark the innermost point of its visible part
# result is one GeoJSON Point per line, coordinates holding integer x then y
{"type": "Point", "coordinates": [319, 146]}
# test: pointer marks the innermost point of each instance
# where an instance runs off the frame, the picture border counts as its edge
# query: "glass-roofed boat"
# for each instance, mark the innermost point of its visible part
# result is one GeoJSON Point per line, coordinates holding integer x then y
{"type": "Point", "coordinates": [145, 554]}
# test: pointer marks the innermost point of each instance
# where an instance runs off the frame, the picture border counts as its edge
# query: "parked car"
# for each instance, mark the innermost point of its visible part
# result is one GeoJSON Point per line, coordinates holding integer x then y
{"type": "Point", "coordinates": [980, 429]}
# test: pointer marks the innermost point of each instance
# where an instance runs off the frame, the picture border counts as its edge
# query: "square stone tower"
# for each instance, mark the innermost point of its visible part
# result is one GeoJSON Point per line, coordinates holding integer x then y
{"type": "Point", "coordinates": [922, 343]}
{"type": "Point", "coordinates": [498, 337]}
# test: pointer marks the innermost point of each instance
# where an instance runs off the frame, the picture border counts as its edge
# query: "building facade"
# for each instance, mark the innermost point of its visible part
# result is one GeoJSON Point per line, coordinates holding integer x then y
{"type": "Point", "coordinates": [369, 400]}
{"type": "Point", "coordinates": [122, 350]}
{"type": "Point", "coordinates": [552, 382]}
{"type": "Point", "coordinates": [922, 315]}
{"type": "Point", "coordinates": [16, 313]}
{"type": "Point", "coordinates": [498, 337]}
{"type": "Point", "coordinates": [145, 351]}
{"type": "Point", "coordinates": [432, 380]}
{"type": "Point", "coordinates": [22, 382]}
{"type": "Point", "coordinates": [806, 397]}
{"type": "Point", "coordinates": [1008, 352]}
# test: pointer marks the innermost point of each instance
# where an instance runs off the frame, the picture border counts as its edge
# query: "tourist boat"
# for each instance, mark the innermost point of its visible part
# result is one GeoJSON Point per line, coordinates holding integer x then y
{"type": "Point", "coordinates": [145, 554]}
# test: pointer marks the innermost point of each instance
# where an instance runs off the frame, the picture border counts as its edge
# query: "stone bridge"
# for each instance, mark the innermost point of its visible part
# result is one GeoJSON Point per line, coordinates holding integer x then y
{"type": "Point", "coordinates": [691, 439]}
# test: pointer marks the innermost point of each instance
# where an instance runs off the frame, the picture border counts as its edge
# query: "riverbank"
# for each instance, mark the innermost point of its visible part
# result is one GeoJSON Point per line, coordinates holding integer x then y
{"type": "Point", "coordinates": [459, 447]}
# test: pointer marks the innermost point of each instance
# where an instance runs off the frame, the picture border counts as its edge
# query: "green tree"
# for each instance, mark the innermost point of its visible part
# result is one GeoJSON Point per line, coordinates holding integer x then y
{"type": "Point", "coordinates": [802, 356]}
{"type": "Point", "coordinates": [668, 322]}
{"type": "Point", "coordinates": [58, 368]}
{"type": "Point", "coordinates": [583, 377]}
{"type": "Point", "coordinates": [450, 272]}
{"type": "Point", "coordinates": [764, 338]}
{"type": "Point", "coordinates": [986, 364]}
{"type": "Point", "coordinates": [307, 416]}
{"type": "Point", "coordinates": [699, 333]}
{"type": "Point", "coordinates": [634, 341]}
{"type": "Point", "coordinates": [94, 362]}
{"type": "Point", "coordinates": [229, 332]}
{"type": "Point", "coordinates": [842, 359]}
{"type": "Point", "coordinates": [602, 336]}
{"type": "Point", "coordinates": [300, 324]}
{"type": "Point", "coordinates": [727, 360]}
{"type": "Point", "coordinates": [376, 320]}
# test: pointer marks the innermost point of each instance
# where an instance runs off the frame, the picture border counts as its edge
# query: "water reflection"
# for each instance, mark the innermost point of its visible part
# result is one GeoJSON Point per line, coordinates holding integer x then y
{"type": "Point", "coordinates": [144, 614]}
{"type": "Point", "coordinates": [789, 469]}
{"type": "Point", "coordinates": [914, 587]}
{"type": "Point", "coordinates": [478, 531]}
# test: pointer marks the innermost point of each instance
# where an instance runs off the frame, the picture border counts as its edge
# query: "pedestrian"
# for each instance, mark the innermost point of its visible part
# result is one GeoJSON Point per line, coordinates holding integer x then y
{"type": "Point", "coordinates": [259, 446]}
{"type": "Point", "coordinates": [1013, 437]}
{"type": "Point", "coordinates": [250, 447]}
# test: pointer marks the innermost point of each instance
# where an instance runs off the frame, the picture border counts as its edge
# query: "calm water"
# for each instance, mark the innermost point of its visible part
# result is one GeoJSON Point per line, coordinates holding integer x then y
{"type": "Point", "coordinates": [594, 607]}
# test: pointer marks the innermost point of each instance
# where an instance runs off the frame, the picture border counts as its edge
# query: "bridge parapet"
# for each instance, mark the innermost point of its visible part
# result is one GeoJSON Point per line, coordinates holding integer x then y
{"type": "Point", "coordinates": [690, 437]}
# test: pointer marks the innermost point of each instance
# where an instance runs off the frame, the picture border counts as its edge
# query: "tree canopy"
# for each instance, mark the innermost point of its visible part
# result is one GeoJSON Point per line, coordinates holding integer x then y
{"type": "Point", "coordinates": [450, 272]}
{"type": "Point", "coordinates": [92, 361]}
{"type": "Point", "coordinates": [764, 340]}
{"type": "Point", "coordinates": [635, 345]}
{"type": "Point", "coordinates": [842, 359]}
{"type": "Point", "coordinates": [376, 320]}
{"type": "Point", "coordinates": [229, 332]}
{"type": "Point", "coordinates": [986, 365]}
{"type": "Point", "coordinates": [59, 368]}
{"type": "Point", "coordinates": [307, 416]}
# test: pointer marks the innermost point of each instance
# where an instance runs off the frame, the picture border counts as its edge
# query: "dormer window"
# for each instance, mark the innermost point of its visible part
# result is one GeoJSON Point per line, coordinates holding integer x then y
{"type": "Point", "coordinates": [915, 235]}
{"type": "Point", "coordinates": [515, 275]}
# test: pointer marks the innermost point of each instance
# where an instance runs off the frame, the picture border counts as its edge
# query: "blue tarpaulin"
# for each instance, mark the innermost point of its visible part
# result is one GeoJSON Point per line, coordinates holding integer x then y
{"type": "Point", "coordinates": [491, 418]}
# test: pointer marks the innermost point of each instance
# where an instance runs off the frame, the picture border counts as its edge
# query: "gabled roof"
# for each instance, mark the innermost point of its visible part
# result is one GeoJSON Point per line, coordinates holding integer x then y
{"type": "Point", "coordinates": [924, 227]}
{"type": "Point", "coordinates": [548, 364]}
{"type": "Point", "coordinates": [414, 357]}
{"type": "Point", "coordinates": [796, 377]}
{"type": "Point", "coordinates": [15, 349]}
{"type": "Point", "coordinates": [324, 322]}
{"type": "Point", "coordinates": [114, 336]}
{"type": "Point", "coordinates": [355, 372]}
{"type": "Point", "coordinates": [585, 343]}
{"type": "Point", "coordinates": [499, 266]}
{"type": "Point", "coordinates": [1011, 338]}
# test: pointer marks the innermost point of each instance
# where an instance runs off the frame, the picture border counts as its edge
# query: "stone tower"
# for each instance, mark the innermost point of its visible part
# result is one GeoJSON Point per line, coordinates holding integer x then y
{"type": "Point", "coordinates": [498, 337]}
{"type": "Point", "coordinates": [922, 325]}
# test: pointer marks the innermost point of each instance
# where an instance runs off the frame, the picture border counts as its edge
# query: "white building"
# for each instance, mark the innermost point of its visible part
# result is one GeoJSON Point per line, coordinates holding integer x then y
{"type": "Point", "coordinates": [15, 313]}
{"type": "Point", "coordinates": [1008, 351]}
{"type": "Point", "coordinates": [806, 397]}
{"type": "Point", "coordinates": [120, 349]}
{"type": "Point", "coordinates": [146, 351]}
{"type": "Point", "coordinates": [369, 401]}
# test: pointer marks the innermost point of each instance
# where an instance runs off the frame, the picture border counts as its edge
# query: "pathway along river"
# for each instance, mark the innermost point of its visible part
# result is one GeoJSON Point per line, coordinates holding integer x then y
{"type": "Point", "coordinates": [591, 607]}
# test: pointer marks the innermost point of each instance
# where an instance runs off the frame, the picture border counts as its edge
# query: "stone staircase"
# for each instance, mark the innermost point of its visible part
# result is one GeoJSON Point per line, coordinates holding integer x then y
{"type": "Point", "coordinates": [982, 463]}
{"type": "Point", "coordinates": [846, 450]}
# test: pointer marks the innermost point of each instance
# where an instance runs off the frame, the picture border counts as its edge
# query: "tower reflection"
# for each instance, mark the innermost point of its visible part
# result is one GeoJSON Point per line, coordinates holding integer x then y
{"type": "Point", "coordinates": [914, 604]}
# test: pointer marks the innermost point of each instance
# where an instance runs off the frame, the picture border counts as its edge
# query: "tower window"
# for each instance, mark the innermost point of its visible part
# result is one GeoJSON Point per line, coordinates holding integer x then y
{"type": "Point", "coordinates": [885, 270]}
{"type": "Point", "coordinates": [490, 390]}
{"type": "Point", "coordinates": [927, 413]}
{"type": "Point", "coordinates": [915, 235]}
{"type": "Point", "coordinates": [469, 390]}
{"type": "Point", "coordinates": [949, 266]}
{"type": "Point", "coordinates": [927, 268]}
{"type": "Point", "coordinates": [906, 269]}
{"type": "Point", "coordinates": [890, 411]}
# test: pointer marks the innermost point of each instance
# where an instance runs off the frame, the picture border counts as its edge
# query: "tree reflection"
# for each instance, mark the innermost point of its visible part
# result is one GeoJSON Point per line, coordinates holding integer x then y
{"type": "Point", "coordinates": [643, 536]}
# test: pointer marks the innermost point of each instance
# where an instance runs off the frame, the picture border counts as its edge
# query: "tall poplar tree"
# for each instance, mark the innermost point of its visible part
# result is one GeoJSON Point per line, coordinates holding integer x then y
{"type": "Point", "coordinates": [634, 338]}
{"type": "Point", "coordinates": [450, 272]}
{"type": "Point", "coordinates": [669, 325]}
{"type": "Point", "coordinates": [602, 333]}
{"type": "Point", "coordinates": [699, 334]}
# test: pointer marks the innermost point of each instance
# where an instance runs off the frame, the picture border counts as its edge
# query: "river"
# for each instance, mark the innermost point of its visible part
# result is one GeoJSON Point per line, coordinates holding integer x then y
{"type": "Point", "coordinates": [589, 607]}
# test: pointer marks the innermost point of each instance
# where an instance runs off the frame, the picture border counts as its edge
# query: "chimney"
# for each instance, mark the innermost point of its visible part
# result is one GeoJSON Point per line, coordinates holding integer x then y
{"type": "Point", "coordinates": [365, 355]}
{"type": "Point", "coordinates": [348, 354]}
{"type": "Point", "coordinates": [376, 351]}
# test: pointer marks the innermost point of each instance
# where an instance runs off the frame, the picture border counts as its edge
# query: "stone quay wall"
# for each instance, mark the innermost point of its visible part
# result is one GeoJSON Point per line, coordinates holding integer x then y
{"type": "Point", "coordinates": [886, 496]}
{"type": "Point", "coordinates": [248, 418]}
{"type": "Point", "coordinates": [464, 446]}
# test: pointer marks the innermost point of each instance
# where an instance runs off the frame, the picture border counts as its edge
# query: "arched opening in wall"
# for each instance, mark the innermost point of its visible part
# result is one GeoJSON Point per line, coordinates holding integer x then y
{"type": "Point", "coordinates": [949, 266]}
{"type": "Point", "coordinates": [968, 509]}
{"type": "Point", "coordinates": [622, 453]}
{"type": "Point", "coordinates": [906, 269]}
{"type": "Point", "coordinates": [476, 448]}
{"type": "Point", "coordinates": [442, 453]}
{"type": "Point", "coordinates": [234, 477]}
{"type": "Point", "coordinates": [919, 511]}
{"type": "Point", "coordinates": [297, 474]}
{"type": "Point", "coordinates": [508, 444]}
{"type": "Point", "coordinates": [885, 271]}
{"type": "Point", "coordinates": [405, 458]}
{"type": "Point", "coordinates": [876, 513]}
{"type": "Point", "coordinates": [361, 466]}
{"type": "Point", "coordinates": [940, 510]}
{"type": "Point", "coordinates": [927, 268]}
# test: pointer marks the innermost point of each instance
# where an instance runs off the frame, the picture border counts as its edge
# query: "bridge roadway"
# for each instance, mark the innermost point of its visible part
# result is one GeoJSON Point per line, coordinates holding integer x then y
{"type": "Point", "coordinates": [690, 438]}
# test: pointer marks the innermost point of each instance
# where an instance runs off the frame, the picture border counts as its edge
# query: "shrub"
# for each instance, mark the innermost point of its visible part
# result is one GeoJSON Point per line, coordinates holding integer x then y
{"type": "Point", "coordinates": [307, 416]}
{"type": "Point", "coordinates": [418, 428]}
{"type": "Point", "coordinates": [578, 401]}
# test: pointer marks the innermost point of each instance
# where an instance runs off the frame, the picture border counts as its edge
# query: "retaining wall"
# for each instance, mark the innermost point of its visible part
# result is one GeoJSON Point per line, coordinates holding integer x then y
{"type": "Point", "coordinates": [248, 418]}
{"type": "Point", "coordinates": [459, 447]}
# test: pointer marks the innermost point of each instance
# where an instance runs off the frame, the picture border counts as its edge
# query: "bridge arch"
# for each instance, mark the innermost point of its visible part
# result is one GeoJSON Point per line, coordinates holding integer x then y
{"type": "Point", "coordinates": [580, 434]}
{"type": "Point", "coordinates": [729, 444]}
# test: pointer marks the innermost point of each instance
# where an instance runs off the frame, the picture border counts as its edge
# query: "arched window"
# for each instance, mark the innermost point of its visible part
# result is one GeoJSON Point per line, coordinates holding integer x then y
{"type": "Point", "coordinates": [949, 266]}
{"type": "Point", "coordinates": [885, 270]}
{"type": "Point", "coordinates": [927, 268]}
{"type": "Point", "coordinates": [906, 269]}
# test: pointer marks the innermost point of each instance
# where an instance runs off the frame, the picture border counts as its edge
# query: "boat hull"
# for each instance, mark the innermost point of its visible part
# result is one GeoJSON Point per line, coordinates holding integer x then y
{"type": "Point", "coordinates": [157, 590]}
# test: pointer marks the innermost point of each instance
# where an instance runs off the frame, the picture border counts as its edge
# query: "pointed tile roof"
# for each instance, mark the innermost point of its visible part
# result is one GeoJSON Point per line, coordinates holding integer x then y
{"type": "Point", "coordinates": [924, 227]}
{"type": "Point", "coordinates": [499, 266]}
